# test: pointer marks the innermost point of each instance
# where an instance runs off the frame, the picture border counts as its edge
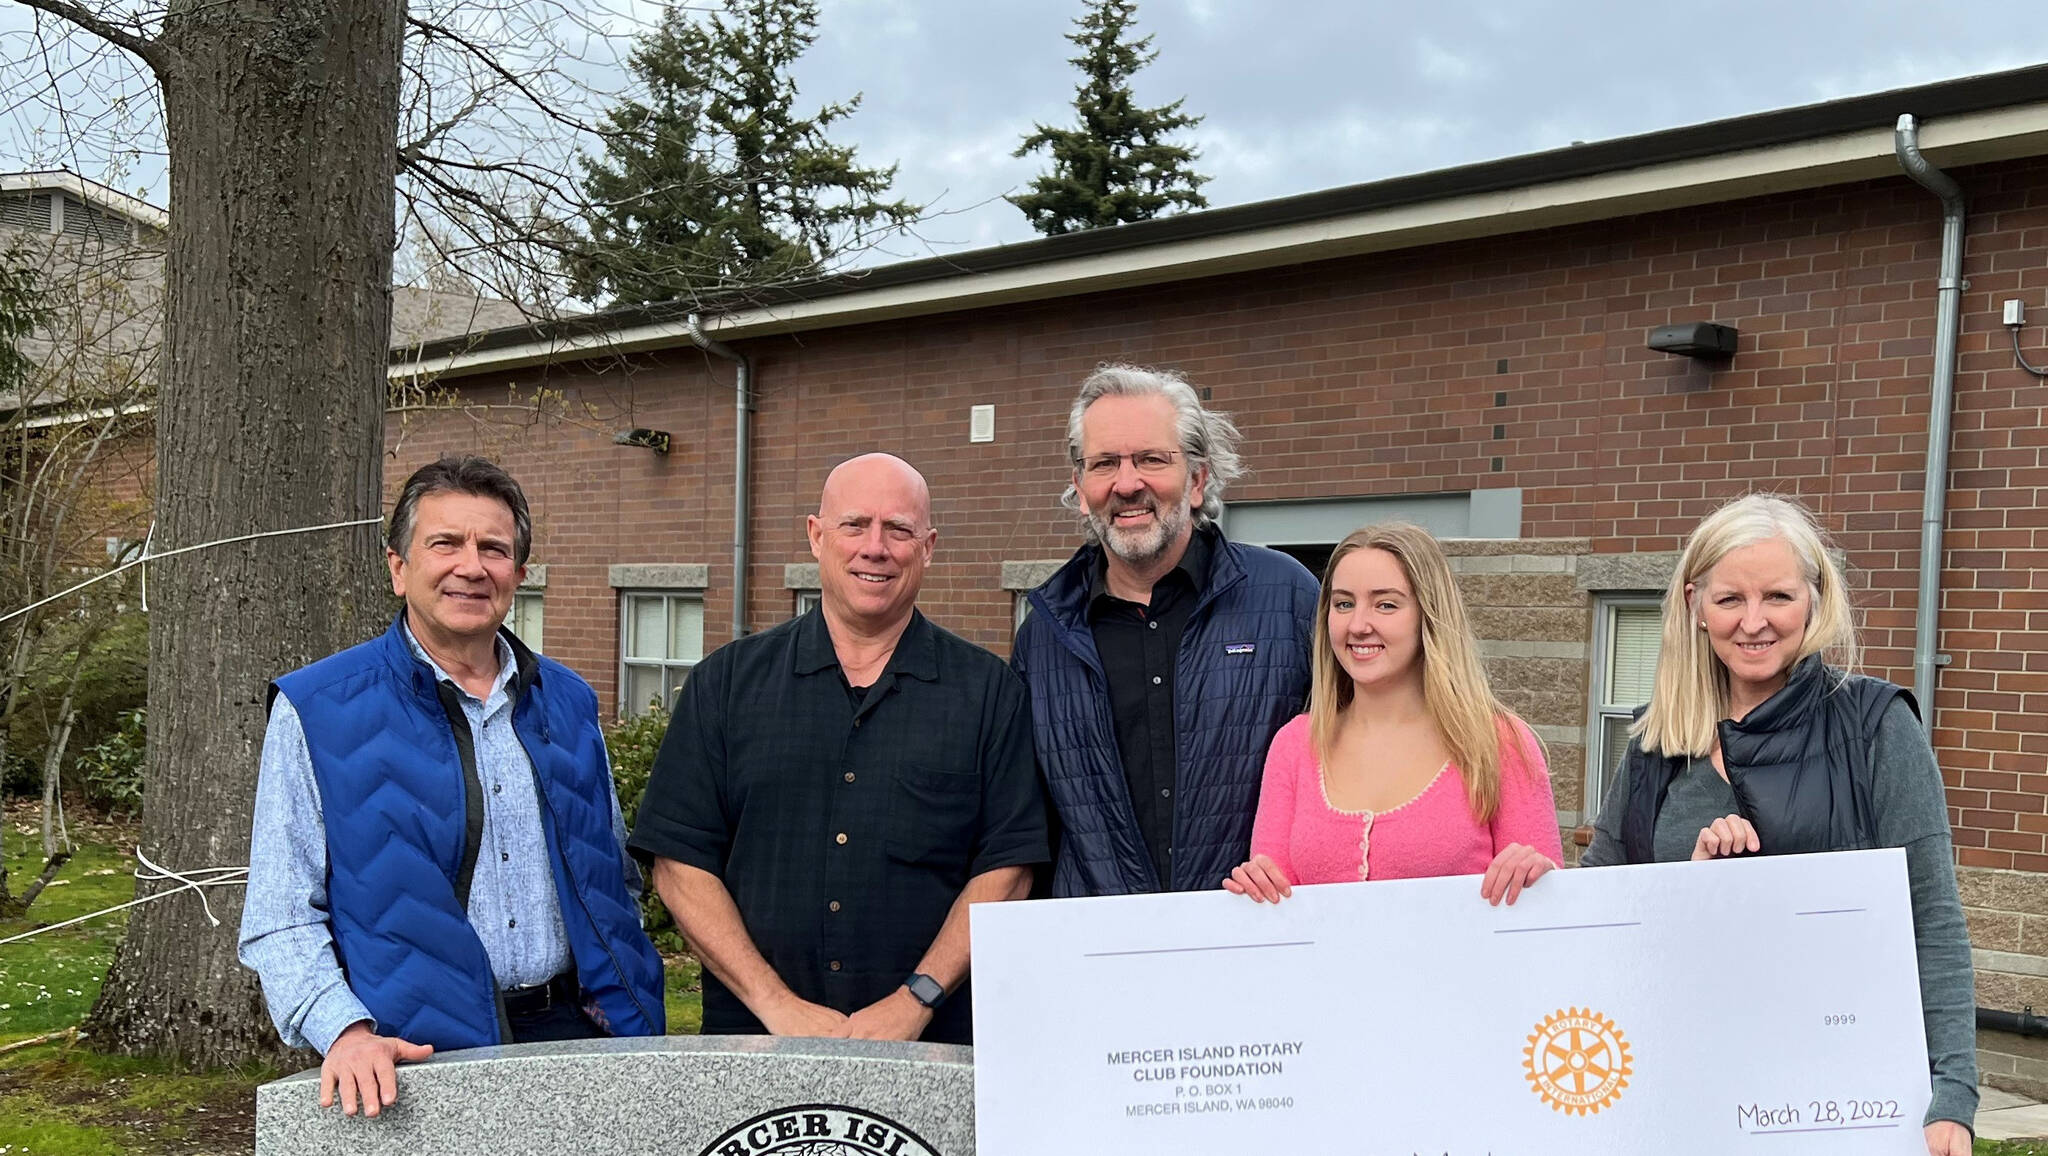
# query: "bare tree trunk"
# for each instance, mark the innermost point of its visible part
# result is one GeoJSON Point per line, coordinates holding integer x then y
{"type": "Point", "coordinates": [53, 759]}
{"type": "Point", "coordinates": [282, 118]}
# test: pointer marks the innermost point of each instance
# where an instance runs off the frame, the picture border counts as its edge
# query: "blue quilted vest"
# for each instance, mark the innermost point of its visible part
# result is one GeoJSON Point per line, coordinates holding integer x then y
{"type": "Point", "coordinates": [1242, 672]}
{"type": "Point", "coordinates": [395, 765]}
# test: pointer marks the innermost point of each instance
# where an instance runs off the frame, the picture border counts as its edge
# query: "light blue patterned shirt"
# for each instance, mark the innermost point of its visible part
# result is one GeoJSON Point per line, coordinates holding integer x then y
{"type": "Point", "coordinates": [285, 935]}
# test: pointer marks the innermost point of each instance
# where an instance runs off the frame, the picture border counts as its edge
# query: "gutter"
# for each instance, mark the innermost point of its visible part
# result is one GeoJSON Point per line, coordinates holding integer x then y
{"type": "Point", "coordinates": [1940, 404]}
{"type": "Point", "coordinates": [743, 410]}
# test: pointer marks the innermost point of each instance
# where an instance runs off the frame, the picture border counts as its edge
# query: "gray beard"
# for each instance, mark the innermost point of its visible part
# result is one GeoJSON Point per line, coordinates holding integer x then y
{"type": "Point", "coordinates": [1141, 549]}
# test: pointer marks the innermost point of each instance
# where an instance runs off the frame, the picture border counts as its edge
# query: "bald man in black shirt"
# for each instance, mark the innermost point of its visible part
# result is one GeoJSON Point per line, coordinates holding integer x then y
{"type": "Point", "coordinates": [833, 793]}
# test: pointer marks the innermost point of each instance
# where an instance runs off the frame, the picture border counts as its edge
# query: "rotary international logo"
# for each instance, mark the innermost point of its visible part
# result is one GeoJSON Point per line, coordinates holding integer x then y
{"type": "Point", "coordinates": [1578, 1061]}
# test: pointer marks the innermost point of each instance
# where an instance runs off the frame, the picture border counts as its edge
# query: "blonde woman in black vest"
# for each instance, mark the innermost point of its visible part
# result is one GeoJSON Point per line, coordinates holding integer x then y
{"type": "Point", "coordinates": [1757, 740]}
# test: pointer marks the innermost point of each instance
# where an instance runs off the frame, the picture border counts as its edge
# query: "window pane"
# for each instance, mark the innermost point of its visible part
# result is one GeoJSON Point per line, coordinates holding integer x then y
{"type": "Point", "coordinates": [686, 629]}
{"type": "Point", "coordinates": [643, 686]}
{"type": "Point", "coordinates": [645, 625]}
{"type": "Point", "coordinates": [672, 681]}
{"type": "Point", "coordinates": [1613, 741]}
{"type": "Point", "coordinates": [1633, 639]}
{"type": "Point", "coordinates": [526, 619]}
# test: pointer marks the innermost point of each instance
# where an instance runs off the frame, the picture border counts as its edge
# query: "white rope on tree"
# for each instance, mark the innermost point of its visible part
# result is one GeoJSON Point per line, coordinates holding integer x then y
{"type": "Point", "coordinates": [195, 880]}
{"type": "Point", "coordinates": [149, 557]}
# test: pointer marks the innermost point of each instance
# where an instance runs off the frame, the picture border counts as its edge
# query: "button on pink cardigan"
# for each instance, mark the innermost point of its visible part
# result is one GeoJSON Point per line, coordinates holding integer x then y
{"type": "Point", "coordinates": [1432, 834]}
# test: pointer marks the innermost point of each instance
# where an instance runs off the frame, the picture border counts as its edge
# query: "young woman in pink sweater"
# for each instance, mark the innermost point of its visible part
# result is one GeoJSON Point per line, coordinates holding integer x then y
{"type": "Point", "coordinates": [1405, 764]}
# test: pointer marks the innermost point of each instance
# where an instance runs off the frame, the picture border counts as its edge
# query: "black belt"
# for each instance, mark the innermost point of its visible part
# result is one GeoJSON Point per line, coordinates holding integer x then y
{"type": "Point", "coordinates": [562, 990]}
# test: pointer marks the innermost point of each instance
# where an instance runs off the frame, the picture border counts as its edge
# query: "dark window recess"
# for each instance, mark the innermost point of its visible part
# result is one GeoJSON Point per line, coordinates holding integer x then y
{"type": "Point", "coordinates": [1496, 465]}
{"type": "Point", "coordinates": [1500, 398]}
{"type": "Point", "coordinates": [1316, 557]}
{"type": "Point", "coordinates": [1499, 431]}
{"type": "Point", "coordinates": [1501, 366]}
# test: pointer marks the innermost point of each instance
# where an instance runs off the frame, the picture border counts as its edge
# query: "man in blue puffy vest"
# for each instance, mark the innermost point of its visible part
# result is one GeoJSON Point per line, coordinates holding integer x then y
{"type": "Point", "coordinates": [438, 857]}
{"type": "Point", "coordinates": [1162, 658]}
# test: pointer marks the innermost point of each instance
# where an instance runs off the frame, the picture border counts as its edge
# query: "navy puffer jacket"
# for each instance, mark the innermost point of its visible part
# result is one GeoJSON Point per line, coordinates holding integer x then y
{"type": "Point", "coordinates": [1243, 671]}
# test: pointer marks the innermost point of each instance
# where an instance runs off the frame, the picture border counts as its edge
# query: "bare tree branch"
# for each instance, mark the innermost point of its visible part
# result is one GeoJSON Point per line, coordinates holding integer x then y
{"type": "Point", "coordinates": [149, 51]}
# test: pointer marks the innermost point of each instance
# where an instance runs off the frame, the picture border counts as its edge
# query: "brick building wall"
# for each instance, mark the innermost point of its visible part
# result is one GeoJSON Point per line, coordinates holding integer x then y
{"type": "Point", "coordinates": [1509, 362]}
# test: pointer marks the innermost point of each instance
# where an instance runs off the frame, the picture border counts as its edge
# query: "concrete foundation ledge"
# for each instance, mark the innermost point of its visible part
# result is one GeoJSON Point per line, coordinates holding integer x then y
{"type": "Point", "coordinates": [681, 1095]}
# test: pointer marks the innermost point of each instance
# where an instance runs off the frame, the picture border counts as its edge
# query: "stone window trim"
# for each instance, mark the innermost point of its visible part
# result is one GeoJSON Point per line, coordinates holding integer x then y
{"type": "Point", "coordinates": [1025, 575]}
{"type": "Point", "coordinates": [1648, 572]}
{"type": "Point", "coordinates": [684, 576]}
{"type": "Point", "coordinates": [536, 577]}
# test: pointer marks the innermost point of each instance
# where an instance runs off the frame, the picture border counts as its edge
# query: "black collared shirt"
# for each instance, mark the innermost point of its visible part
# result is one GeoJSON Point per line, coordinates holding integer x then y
{"type": "Point", "coordinates": [1138, 645]}
{"type": "Point", "coordinates": [845, 830]}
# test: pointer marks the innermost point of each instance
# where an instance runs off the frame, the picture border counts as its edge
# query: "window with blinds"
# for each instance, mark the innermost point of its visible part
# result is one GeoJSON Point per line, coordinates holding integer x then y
{"type": "Point", "coordinates": [661, 636]}
{"type": "Point", "coordinates": [1628, 633]}
{"type": "Point", "coordinates": [526, 621]}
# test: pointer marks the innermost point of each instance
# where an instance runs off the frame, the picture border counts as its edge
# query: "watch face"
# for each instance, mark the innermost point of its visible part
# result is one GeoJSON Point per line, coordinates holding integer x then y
{"type": "Point", "coordinates": [927, 990]}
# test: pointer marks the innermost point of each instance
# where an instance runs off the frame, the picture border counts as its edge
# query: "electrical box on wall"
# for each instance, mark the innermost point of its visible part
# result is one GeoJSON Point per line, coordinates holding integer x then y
{"type": "Point", "coordinates": [981, 423]}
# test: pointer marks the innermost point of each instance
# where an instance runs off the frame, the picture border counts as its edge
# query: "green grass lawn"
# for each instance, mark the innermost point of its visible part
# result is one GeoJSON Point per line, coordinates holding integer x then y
{"type": "Point", "coordinates": [49, 982]}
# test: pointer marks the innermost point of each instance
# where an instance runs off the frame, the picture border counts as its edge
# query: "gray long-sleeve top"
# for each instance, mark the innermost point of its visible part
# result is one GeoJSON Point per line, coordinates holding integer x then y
{"type": "Point", "coordinates": [1912, 813]}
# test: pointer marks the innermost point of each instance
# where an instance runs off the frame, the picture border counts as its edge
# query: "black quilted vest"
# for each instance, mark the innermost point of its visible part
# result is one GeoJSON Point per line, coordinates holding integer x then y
{"type": "Point", "coordinates": [1799, 763]}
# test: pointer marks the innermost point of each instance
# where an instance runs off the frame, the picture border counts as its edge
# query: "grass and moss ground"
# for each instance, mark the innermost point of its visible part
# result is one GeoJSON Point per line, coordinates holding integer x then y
{"type": "Point", "coordinates": [59, 1098]}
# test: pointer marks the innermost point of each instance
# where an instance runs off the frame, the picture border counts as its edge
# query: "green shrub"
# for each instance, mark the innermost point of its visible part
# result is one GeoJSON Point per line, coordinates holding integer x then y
{"type": "Point", "coordinates": [113, 681]}
{"type": "Point", "coordinates": [113, 766]}
{"type": "Point", "coordinates": [632, 744]}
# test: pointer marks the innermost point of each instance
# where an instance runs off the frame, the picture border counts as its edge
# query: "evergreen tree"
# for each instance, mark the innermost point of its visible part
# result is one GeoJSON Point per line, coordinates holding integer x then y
{"type": "Point", "coordinates": [715, 182]}
{"type": "Point", "coordinates": [1117, 166]}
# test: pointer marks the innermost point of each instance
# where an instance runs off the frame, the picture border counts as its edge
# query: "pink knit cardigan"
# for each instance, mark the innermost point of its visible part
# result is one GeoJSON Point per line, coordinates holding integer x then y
{"type": "Point", "coordinates": [1433, 833]}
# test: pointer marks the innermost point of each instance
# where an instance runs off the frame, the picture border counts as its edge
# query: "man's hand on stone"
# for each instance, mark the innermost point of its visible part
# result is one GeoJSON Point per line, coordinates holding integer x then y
{"type": "Point", "coordinates": [792, 1016]}
{"type": "Point", "coordinates": [896, 1016]}
{"type": "Point", "coordinates": [363, 1065]}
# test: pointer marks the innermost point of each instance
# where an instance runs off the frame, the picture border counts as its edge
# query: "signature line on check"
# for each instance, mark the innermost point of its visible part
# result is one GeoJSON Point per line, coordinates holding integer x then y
{"type": "Point", "coordinates": [1219, 947]}
{"type": "Point", "coordinates": [1829, 1128]}
{"type": "Point", "coordinates": [1566, 927]}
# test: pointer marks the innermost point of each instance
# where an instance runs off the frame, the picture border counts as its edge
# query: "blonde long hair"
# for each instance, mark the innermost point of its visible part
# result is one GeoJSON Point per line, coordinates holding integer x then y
{"type": "Point", "coordinates": [1690, 695]}
{"type": "Point", "coordinates": [1455, 689]}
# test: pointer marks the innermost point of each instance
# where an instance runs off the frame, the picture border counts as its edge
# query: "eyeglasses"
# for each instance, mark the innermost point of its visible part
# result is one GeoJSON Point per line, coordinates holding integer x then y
{"type": "Point", "coordinates": [1147, 462]}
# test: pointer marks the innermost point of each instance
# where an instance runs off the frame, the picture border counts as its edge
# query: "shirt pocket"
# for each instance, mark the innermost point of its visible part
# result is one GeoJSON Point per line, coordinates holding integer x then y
{"type": "Point", "coordinates": [932, 816]}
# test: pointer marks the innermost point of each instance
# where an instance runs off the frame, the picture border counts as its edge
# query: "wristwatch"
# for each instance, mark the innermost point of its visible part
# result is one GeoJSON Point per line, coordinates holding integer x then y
{"type": "Point", "coordinates": [926, 990]}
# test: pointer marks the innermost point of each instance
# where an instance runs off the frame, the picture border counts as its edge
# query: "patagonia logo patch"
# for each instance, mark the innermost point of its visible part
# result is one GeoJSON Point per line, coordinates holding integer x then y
{"type": "Point", "coordinates": [1240, 648]}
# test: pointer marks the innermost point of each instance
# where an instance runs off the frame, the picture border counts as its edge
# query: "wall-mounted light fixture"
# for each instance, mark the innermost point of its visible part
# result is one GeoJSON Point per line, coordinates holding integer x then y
{"type": "Point", "coordinates": [651, 439]}
{"type": "Point", "coordinates": [1702, 339]}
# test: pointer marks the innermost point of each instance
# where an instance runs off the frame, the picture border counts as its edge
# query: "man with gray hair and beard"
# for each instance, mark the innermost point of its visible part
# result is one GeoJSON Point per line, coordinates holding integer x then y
{"type": "Point", "coordinates": [1162, 657]}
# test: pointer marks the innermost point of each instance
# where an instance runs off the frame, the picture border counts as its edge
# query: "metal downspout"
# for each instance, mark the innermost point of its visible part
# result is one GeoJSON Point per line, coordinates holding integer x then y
{"type": "Point", "coordinates": [1941, 401]}
{"type": "Point", "coordinates": [743, 411]}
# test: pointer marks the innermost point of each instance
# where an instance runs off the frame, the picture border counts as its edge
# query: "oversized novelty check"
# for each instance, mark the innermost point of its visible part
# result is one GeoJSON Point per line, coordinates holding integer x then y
{"type": "Point", "coordinates": [1766, 1005]}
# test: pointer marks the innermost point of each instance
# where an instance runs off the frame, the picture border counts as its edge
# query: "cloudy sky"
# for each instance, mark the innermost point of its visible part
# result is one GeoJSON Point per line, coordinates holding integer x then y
{"type": "Point", "coordinates": [1308, 94]}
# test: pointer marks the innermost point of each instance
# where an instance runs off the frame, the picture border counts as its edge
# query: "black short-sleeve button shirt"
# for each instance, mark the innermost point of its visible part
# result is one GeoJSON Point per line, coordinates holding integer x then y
{"type": "Point", "coordinates": [845, 825]}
